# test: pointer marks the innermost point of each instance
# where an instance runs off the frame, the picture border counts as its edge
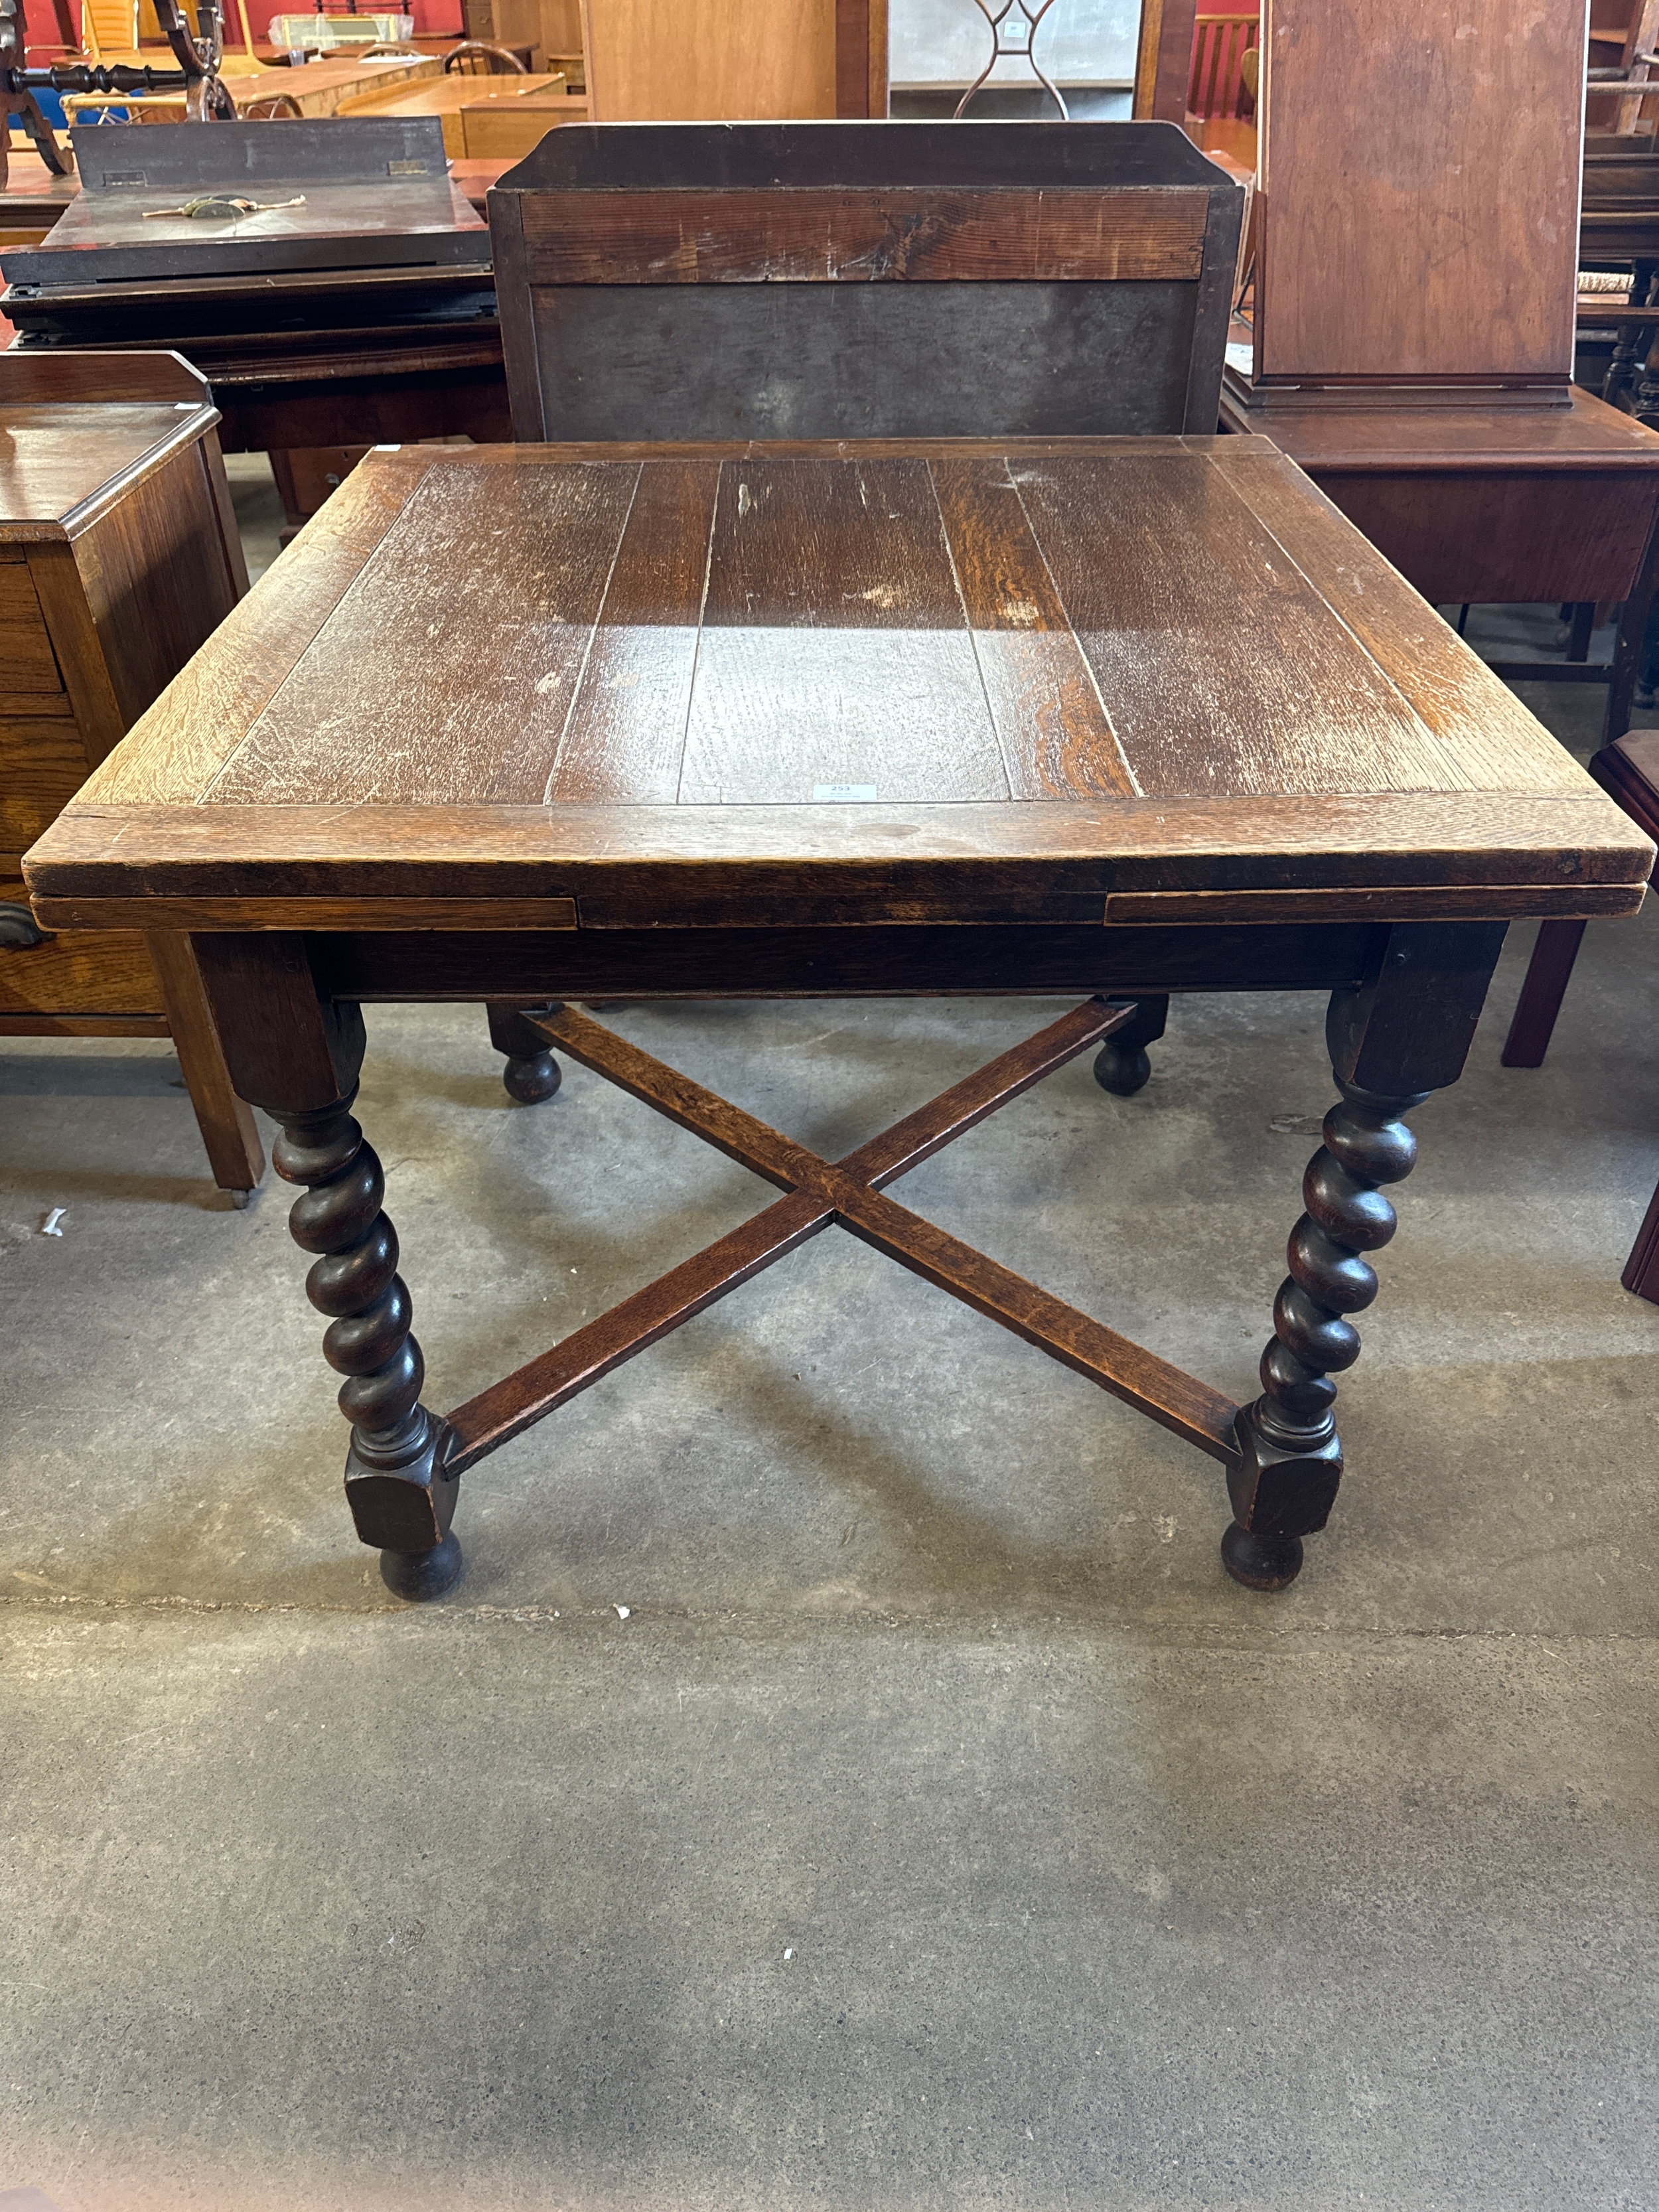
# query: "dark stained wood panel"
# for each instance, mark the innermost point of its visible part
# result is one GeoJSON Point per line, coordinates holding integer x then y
{"type": "Point", "coordinates": [453, 660]}
{"type": "Point", "coordinates": [836, 653]}
{"type": "Point", "coordinates": [59, 452]}
{"type": "Point", "coordinates": [866, 236]}
{"type": "Point", "coordinates": [156, 531]}
{"type": "Point", "coordinates": [637, 689]}
{"type": "Point", "coordinates": [1420, 188]}
{"type": "Point", "coordinates": [1055, 735]}
{"type": "Point", "coordinates": [1223, 668]}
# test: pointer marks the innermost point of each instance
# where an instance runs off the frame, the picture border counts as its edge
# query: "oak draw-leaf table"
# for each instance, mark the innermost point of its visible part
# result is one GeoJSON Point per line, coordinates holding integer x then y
{"type": "Point", "coordinates": [536, 725]}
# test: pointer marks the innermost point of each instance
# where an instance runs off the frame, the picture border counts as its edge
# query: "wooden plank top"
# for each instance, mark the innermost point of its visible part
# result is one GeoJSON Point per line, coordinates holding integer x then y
{"type": "Point", "coordinates": [953, 680]}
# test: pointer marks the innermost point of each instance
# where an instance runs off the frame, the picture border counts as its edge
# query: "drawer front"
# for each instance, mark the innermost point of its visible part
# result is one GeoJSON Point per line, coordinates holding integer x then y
{"type": "Point", "coordinates": [42, 765]}
{"type": "Point", "coordinates": [88, 971]}
{"type": "Point", "coordinates": [27, 661]}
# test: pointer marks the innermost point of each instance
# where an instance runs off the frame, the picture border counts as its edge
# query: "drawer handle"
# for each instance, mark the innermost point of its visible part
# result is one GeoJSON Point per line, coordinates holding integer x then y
{"type": "Point", "coordinates": [19, 927]}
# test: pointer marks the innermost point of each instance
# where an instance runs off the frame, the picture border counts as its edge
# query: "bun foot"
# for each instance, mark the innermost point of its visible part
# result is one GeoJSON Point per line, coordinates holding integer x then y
{"type": "Point", "coordinates": [1122, 1065]}
{"type": "Point", "coordinates": [1121, 1069]}
{"type": "Point", "coordinates": [418, 1575]}
{"type": "Point", "coordinates": [1261, 1563]}
{"type": "Point", "coordinates": [533, 1079]}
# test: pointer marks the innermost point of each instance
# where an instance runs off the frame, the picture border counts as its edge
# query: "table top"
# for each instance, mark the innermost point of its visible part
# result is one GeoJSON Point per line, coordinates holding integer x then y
{"type": "Point", "coordinates": [951, 681]}
{"type": "Point", "coordinates": [451, 94]}
{"type": "Point", "coordinates": [1586, 434]}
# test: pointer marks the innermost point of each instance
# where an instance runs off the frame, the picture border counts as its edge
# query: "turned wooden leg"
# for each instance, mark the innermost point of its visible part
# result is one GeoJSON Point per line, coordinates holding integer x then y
{"type": "Point", "coordinates": [1393, 1041]}
{"type": "Point", "coordinates": [296, 1052]}
{"type": "Point", "coordinates": [1291, 1459]}
{"type": "Point", "coordinates": [1122, 1065]}
{"type": "Point", "coordinates": [400, 1498]}
{"type": "Point", "coordinates": [531, 1073]}
{"type": "Point", "coordinates": [1548, 971]}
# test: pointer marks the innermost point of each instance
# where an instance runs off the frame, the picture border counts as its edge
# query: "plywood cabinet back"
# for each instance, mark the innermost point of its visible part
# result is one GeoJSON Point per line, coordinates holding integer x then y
{"type": "Point", "coordinates": [1420, 167]}
{"type": "Point", "coordinates": [709, 60]}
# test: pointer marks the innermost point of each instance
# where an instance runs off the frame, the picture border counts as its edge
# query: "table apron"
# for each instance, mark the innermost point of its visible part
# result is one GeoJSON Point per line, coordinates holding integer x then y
{"type": "Point", "coordinates": [900, 961]}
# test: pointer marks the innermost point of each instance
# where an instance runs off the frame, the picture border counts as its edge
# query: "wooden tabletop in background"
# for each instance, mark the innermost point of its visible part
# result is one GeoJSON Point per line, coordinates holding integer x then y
{"type": "Point", "coordinates": [949, 681]}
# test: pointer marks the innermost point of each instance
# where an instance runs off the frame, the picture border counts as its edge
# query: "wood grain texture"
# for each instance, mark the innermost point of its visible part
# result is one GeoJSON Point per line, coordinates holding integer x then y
{"type": "Point", "coordinates": [835, 651]}
{"type": "Point", "coordinates": [176, 750]}
{"type": "Point", "coordinates": [703, 282]}
{"type": "Point", "coordinates": [123, 381]}
{"type": "Point", "coordinates": [506, 130]}
{"type": "Point", "coordinates": [1051, 723]}
{"type": "Point", "coordinates": [860, 58]}
{"type": "Point", "coordinates": [1453, 693]}
{"type": "Point", "coordinates": [1162, 568]}
{"type": "Point", "coordinates": [1420, 188]}
{"type": "Point", "coordinates": [749, 867]}
{"type": "Point", "coordinates": [30, 665]}
{"type": "Point", "coordinates": [43, 763]}
{"type": "Point", "coordinates": [100, 973]}
{"type": "Point", "coordinates": [1372, 434]}
{"type": "Point", "coordinates": [1390, 903]}
{"type": "Point", "coordinates": [1163, 60]}
{"type": "Point", "coordinates": [894, 235]}
{"type": "Point", "coordinates": [55, 573]}
{"type": "Point", "coordinates": [446, 96]}
{"type": "Point", "coordinates": [1481, 538]}
{"type": "Point", "coordinates": [917, 625]}
{"type": "Point", "coordinates": [491, 591]}
{"type": "Point", "coordinates": [630, 739]}
{"type": "Point", "coordinates": [726, 59]}
{"type": "Point", "coordinates": [166, 525]}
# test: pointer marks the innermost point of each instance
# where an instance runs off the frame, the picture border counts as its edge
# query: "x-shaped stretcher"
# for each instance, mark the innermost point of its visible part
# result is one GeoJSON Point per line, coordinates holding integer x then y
{"type": "Point", "coordinates": [819, 1192]}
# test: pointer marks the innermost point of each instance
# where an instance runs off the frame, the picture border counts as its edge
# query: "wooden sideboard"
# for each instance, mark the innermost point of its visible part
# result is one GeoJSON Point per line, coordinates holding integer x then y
{"type": "Point", "coordinates": [119, 557]}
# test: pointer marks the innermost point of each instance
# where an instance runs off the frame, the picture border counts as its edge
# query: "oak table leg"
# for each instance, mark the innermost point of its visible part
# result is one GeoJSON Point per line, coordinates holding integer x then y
{"type": "Point", "coordinates": [228, 1132]}
{"type": "Point", "coordinates": [1392, 1043]}
{"type": "Point", "coordinates": [299, 1057]}
{"type": "Point", "coordinates": [1122, 1065]}
{"type": "Point", "coordinates": [531, 1073]}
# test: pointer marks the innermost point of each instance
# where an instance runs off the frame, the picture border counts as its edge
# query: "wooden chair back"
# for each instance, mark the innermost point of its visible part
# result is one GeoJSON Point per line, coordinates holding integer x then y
{"type": "Point", "coordinates": [272, 107]}
{"type": "Point", "coordinates": [864, 280]}
{"type": "Point", "coordinates": [1220, 44]}
{"type": "Point", "coordinates": [477, 57]}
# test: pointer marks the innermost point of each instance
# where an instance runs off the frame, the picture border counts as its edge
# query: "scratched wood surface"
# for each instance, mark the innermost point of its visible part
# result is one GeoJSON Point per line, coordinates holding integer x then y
{"type": "Point", "coordinates": [914, 233]}
{"type": "Point", "coordinates": [764, 684]}
{"type": "Point", "coordinates": [826, 280]}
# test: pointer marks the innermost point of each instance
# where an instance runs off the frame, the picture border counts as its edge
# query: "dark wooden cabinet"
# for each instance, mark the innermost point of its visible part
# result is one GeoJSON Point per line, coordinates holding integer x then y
{"type": "Point", "coordinates": [119, 557]}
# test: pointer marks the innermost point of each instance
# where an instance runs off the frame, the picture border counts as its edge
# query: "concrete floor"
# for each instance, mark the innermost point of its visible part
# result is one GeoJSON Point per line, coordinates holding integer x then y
{"type": "Point", "coordinates": [940, 1827]}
